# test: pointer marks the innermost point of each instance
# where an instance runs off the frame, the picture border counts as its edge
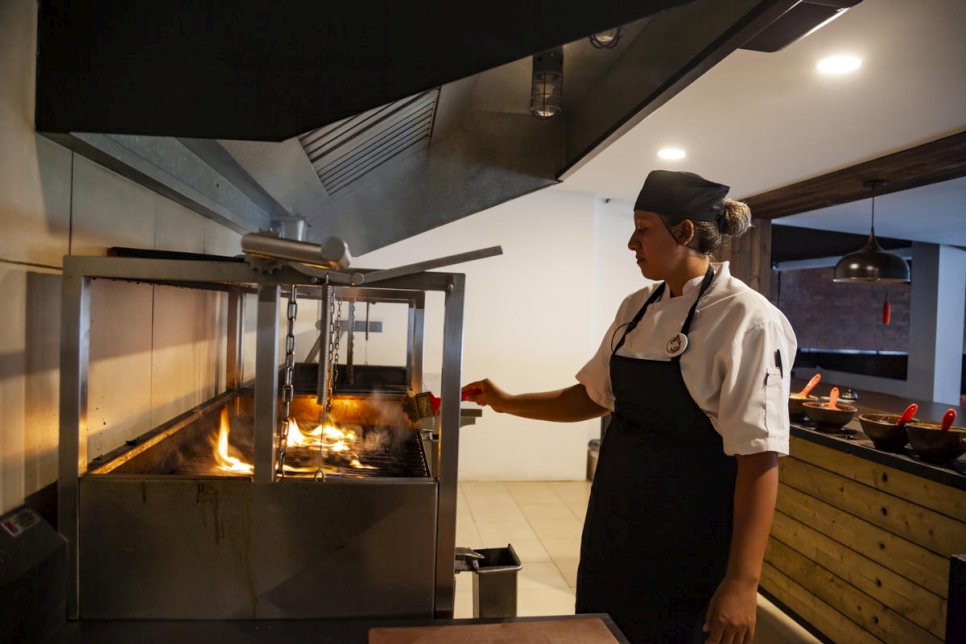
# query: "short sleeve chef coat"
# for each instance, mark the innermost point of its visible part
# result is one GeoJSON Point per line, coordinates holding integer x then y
{"type": "Point", "coordinates": [730, 366]}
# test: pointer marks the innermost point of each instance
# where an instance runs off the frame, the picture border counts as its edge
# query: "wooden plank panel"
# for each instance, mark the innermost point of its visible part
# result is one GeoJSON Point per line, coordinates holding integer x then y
{"type": "Point", "coordinates": [820, 615]}
{"type": "Point", "coordinates": [872, 615]}
{"type": "Point", "coordinates": [937, 532]}
{"type": "Point", "coordinates": [921, 491]}
{"type": "Point", "coordinates": [910, 600]}
{"type": "Point", "coordinates": [903, 557]}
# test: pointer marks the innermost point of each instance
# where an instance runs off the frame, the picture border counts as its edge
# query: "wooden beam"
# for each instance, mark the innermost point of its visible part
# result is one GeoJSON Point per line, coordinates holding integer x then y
{"type": "Point", "coordinates": [932, 162]}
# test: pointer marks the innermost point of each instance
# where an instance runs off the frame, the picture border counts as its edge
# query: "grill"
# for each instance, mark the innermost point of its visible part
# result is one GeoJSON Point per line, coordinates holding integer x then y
{"type": "Point", "coordinates": [156, 529]}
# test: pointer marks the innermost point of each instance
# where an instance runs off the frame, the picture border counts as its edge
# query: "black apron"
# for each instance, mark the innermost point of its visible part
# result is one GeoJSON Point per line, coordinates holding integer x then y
{"type": "Point", "coordinates": [658, 528]}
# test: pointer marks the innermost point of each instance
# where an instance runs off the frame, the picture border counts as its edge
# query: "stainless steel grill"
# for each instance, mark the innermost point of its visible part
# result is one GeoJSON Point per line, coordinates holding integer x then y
{"type": "Point", "coordinates": [155, 532]}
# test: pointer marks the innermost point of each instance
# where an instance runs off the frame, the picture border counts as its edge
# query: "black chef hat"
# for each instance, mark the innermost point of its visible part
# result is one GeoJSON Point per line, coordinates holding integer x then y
{"type": "Point", "coordinates": [682, 195]}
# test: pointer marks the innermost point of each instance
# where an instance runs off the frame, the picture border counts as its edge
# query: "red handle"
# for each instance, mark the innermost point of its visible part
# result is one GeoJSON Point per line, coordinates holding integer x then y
{"type": "Point", "coordinates": [908, 414]}
{"type": "Point", "coordinates": [833, 398]}
{"type": "Point", "coordinates": [470, 392]}
{"type": "Point", "coordinates": [886, 312]}
{"type": "Point", "coordinates": [948, 419]}
{"type": "Point", "coordinates": [811, 385]}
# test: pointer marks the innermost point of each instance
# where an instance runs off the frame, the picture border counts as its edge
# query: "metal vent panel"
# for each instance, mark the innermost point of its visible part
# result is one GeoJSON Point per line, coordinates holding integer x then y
{"type": "Point", "coordinates": [342, 152]}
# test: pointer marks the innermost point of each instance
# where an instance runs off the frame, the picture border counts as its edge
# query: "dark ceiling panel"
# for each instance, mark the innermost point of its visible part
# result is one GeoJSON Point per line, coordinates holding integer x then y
{"type": "Point", "coordinates": [264, 70]}
{"type": "Point", "coordinates": [791, 243]}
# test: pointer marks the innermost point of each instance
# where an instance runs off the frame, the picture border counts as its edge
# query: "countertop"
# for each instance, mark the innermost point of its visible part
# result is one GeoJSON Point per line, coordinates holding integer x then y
{"type": "Point", "coordinates": [854, 441]}
{"type": "Point", "coordinates": [267, 631]}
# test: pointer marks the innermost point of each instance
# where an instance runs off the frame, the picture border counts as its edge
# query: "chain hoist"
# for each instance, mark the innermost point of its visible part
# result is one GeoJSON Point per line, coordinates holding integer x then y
{"type": "Point", "coordinates": [328, 360]}
{"type": "Point", "coordinates": [288, 390]}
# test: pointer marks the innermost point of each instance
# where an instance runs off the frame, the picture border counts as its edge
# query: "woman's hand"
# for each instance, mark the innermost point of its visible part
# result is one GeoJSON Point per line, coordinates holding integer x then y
{"type": "Point", "coordinates": [486, 394]}
{"type": "Point", "coordinates": [732, 613]}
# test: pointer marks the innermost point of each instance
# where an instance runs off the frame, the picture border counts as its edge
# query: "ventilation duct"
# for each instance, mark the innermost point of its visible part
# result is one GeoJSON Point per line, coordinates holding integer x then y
{"type": "Point", "coordinates": [341, 153]}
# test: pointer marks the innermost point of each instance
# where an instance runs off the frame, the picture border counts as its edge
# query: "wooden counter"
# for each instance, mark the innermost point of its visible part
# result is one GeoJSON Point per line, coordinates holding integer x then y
{"type": "Point", "coordinates": [861, 543]}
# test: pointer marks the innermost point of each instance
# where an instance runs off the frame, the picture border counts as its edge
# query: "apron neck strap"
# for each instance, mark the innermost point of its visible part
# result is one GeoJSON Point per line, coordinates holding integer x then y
{"type": "Point", "coordinates": [656, 295]}
{"type": "Point", "coordinates": [705, 285]}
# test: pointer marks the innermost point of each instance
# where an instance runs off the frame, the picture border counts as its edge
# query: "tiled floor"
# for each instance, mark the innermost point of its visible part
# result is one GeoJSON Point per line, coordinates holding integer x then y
{"type": "Point", "coordinates": [543, 521]}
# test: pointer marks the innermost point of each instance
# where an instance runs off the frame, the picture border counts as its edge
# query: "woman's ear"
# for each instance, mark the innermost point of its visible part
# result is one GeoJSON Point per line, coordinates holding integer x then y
{"type": "Point", "coordinates": [684, 232]}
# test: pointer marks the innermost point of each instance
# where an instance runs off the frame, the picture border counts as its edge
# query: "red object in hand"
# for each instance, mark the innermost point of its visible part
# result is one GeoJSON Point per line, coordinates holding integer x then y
{"type": "Point", "coordinates": [948, 419]}
{"type": "Point", "coordinates": [886, 312]}
{"type": "Point", "coordinates": [436, 402]}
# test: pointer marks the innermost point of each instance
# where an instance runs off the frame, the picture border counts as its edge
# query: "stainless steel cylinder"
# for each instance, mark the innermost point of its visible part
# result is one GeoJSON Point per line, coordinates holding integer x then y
{"type": "Point", "coordinates": [333, 253]}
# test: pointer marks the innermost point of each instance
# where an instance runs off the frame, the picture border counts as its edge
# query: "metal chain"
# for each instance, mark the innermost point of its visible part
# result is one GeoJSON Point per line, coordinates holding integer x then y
{"type": "Point", "coordinates": [335, 315]}
{"type": "Point", "coordinates": [288, 390]}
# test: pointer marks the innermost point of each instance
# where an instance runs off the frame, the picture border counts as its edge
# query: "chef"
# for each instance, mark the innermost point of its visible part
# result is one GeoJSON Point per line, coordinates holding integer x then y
{"type": "Point", "coordinates": [694, 370]}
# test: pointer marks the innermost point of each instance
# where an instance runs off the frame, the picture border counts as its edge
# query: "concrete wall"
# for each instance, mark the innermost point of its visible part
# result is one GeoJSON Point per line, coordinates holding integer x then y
{"type": "Point", "coordinates": [155, 351]}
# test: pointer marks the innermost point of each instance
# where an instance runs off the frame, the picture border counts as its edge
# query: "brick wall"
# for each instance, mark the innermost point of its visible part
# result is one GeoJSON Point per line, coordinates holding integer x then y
{"type": "Point", "coordinates": [835, 315]}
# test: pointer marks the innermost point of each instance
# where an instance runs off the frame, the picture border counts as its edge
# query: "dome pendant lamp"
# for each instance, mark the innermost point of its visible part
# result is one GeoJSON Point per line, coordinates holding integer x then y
{"type": "Point", "coordinates": [870, 263]}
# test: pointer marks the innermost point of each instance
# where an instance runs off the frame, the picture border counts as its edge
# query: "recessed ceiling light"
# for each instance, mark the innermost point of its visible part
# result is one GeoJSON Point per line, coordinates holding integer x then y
{"type": "Point", "coordinates": [671, 154]}
{"type": "Point", "coordinates": [839, 64]}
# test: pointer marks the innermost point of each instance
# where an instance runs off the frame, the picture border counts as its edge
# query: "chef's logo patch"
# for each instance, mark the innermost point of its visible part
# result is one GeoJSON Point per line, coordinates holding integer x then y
{"type": "Point", "coordinates": [676, 345]}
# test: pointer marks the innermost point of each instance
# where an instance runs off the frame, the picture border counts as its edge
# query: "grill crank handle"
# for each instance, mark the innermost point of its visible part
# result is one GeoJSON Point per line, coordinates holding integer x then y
{"type": "Point", "coordinates": [410, 269]}
{"type": "Point", "coordinates": [466, 559]}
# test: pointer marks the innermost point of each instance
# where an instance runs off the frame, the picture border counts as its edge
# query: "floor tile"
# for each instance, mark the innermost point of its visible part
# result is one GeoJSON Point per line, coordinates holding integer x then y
{"type": "Point", "coordinates": [571, 490]}
{"type": "Point", "coordinates": [505, 531]}
{"type": "Point", "coordinates": [498, 511]}
{"type": "Point", "coordinates": [558, 528]}
{"type": "Point", "coordinates": [527, 492]}
{"type": "Point", "coordinates": [545, 601]}
{"type": "Point", "coordinates": [568, 568]}
{"type": "Point", "coordinates": [540, 575]}
{"type": "Point", "coordinates": [475, 488]}
{"type": "Point", "coordinates": [562, 548]}
{"type": "Point", "coordinates": [579, 508]}
{"type": "Point", "coordinates": [468, 536]}
{"type": "Point", "coordinates": [547, 511]}
{"type": "Point", "coordinates": [530, 551]}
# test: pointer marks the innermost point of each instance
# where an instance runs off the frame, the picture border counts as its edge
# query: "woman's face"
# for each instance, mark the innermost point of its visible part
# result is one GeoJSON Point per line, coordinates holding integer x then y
{"type": "Point", "coordinates": [657, 252]}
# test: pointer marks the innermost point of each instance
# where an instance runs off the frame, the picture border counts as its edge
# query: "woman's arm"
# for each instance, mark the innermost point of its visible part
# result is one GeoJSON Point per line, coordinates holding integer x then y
{"type": "Point", "coordinates": [731, 615]}
{"type": "Point", "coordinates": [564, 405]}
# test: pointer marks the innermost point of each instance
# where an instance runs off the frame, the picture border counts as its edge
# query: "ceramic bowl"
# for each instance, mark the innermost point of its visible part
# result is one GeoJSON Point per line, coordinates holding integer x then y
{"type": "Point", "coordinates": [796, 409]}
{"type": "Point", "coordinates": [935, 445]}
{"type": "Point", "coordinates": [829, 420]}
{"type": "Point", "coordinates": [884, 432]}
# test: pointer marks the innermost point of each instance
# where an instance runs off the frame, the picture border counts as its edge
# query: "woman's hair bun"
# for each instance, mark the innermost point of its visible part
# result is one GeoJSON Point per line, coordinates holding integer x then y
{"type": "Point", "coordinates": [735, 218]}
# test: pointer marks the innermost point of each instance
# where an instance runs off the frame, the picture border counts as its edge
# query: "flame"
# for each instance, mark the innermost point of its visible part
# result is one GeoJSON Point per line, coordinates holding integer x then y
{"type": "Point", "coordinates": [222, 459]}
{"type": "Point", "coordinates": [326, 436]}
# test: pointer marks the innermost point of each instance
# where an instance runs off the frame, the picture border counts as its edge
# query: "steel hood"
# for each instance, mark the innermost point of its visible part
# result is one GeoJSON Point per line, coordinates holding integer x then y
{"type": "Point", "coordinates": [370, 125]}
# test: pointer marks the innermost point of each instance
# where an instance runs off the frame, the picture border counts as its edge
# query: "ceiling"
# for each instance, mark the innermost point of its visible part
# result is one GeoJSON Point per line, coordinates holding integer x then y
{"type": "Point", "coordinates": [765, 123]}
{"type": "Point", "coordinates": [761, 121]}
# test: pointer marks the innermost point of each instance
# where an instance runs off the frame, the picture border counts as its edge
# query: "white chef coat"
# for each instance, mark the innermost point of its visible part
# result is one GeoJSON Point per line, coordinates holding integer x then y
{"type": "Point", "coordinates": [729, 367]}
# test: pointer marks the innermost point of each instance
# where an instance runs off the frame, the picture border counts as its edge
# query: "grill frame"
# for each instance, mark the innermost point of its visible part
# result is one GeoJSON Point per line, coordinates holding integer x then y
{"type": "Point", "coordinates": [86, 523]}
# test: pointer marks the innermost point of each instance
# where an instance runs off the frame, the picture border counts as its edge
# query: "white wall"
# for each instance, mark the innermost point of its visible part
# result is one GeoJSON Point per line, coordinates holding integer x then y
{"type": "Point", "coordinates": [533, 317]}
{"type": "Point", "coordinates": [155, 351]}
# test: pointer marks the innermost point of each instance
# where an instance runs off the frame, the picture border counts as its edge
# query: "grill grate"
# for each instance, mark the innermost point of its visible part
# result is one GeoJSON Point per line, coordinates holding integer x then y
{"type": "Point", "coordinates": [400, 455]}
{"type": "Point", "coordinates": [341, 153]}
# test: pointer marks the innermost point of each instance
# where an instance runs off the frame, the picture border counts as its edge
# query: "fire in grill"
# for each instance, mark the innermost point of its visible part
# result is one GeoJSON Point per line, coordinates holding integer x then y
{"type": "Point", "coordinates": [219, 442]}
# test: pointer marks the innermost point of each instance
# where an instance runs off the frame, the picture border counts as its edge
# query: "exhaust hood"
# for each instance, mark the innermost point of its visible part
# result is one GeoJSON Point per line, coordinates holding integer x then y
{"type": "Point", "coordinates": [373, 123]}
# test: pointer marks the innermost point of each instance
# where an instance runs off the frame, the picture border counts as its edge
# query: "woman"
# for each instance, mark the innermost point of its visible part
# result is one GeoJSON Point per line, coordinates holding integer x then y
{"type": "Point", "coordinates": [687, 477]}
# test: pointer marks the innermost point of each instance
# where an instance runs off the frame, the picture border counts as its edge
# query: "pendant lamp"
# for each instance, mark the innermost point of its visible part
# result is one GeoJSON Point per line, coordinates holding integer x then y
{"type": "Point", "coordinates": [870, 263]}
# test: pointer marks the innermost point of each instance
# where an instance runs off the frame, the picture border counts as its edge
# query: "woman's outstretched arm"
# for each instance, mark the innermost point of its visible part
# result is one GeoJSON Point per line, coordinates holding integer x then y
{"type": "Point", "coordinates": [563, 405]}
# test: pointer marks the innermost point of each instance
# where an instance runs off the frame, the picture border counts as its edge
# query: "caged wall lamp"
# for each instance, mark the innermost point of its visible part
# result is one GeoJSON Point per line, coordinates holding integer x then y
{"type": "Point", "coordinates": [871, 263]}
{"type": "Point", "coordinates": [546, 93]}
